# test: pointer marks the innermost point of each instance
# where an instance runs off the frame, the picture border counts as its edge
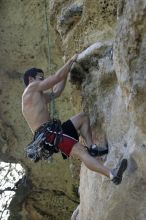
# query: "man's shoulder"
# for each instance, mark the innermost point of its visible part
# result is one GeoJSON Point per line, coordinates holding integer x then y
{"type": "Point", "coordinates": [32, 86]}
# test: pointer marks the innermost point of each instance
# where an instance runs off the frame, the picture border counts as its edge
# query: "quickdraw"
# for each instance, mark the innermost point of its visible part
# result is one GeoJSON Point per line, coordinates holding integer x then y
{"type": "Point", "coordinates": [45, 141]}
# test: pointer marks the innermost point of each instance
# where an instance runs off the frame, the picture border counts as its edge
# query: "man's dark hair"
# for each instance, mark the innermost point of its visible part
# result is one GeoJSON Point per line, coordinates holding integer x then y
{"type": "Point", "coordinates": [31, 72]}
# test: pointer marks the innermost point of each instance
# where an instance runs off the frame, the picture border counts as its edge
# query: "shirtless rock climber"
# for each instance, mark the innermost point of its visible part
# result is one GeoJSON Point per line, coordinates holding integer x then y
{"type": "Point", "coordinates": [52, 136]}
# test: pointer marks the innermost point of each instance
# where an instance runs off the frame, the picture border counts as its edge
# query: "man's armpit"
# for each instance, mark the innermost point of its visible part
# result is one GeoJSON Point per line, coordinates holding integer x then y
{"type": "Point", "coordinates": [49, 96]}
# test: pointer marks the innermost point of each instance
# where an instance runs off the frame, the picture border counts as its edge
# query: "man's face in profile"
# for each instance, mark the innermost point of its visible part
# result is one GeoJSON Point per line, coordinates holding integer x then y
{"type": "Point", "coordinates": [40, 76]}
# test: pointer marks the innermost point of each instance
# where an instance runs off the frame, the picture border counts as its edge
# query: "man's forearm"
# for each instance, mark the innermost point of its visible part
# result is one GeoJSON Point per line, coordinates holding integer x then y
{"type": "Point", "coordinates": [59, 87]}
{"type": "Point", "coordinates": [60, 75]}
{"type": "Point", "coordinates": [63, 72]}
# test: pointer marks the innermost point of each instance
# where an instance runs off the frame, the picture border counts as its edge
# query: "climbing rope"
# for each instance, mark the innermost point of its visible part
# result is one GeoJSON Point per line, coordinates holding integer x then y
{"type": "Point", "coordinates": [53, 110]}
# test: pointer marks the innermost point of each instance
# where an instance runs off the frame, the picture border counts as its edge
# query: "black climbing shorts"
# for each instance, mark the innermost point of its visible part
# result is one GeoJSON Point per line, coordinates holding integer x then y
{"type": "Point", "coordinates": [69, 129]}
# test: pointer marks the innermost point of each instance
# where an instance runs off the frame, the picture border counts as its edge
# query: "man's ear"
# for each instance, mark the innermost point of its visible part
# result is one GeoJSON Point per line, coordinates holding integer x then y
{"type": "Point", "coordinates": [30, 78]}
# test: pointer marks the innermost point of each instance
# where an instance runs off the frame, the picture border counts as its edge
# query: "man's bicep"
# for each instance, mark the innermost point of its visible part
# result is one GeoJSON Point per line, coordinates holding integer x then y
{"type": "Point", "coordinates": [48, 83]}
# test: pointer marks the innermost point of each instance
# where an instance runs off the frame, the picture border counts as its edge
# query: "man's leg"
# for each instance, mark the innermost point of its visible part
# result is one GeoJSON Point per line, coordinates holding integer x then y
{"type": "Point", "coordinates": [82, 123]}
{"type": "Point", "coordinates": [92, 163]}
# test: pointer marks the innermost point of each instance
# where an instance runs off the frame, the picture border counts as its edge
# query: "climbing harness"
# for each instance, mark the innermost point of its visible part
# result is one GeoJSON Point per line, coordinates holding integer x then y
{"type": "Point", "coordinates": [45, 142]}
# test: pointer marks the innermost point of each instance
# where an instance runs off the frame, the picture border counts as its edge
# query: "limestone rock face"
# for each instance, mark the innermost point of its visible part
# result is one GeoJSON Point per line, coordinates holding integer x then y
{"type": "Point", "coordinates": [109, 83]}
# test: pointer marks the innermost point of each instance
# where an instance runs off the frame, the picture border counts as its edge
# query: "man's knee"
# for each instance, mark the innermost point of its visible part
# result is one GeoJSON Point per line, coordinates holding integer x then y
{"type": "Point", "coordinates": [84, 117]}
{"type": "Point", "coordinates": [79, 120]}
